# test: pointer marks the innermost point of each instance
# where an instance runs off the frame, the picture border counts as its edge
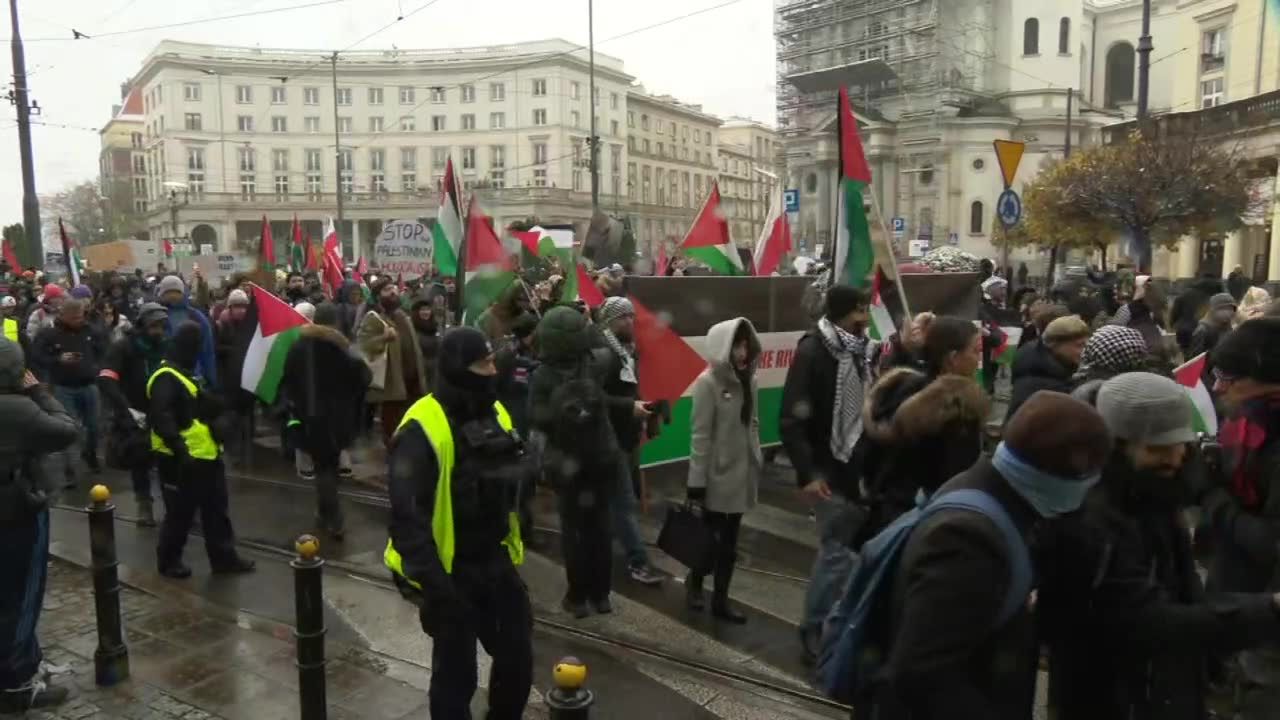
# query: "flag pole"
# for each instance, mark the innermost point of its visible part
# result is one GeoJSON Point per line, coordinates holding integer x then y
{"type": "Point", "coordinates": [897, 276]}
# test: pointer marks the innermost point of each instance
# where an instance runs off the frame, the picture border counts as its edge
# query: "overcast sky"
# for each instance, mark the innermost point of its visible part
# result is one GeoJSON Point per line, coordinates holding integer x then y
{"type": "Point", "coordinates": [723, 58]}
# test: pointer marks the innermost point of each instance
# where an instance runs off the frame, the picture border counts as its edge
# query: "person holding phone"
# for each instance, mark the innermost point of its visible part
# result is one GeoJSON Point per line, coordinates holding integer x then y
{"type": "Point", "coordinates": [69, 356]}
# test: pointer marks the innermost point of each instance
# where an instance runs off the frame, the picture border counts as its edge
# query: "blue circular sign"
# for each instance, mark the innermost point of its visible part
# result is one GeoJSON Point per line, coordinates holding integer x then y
{"type": "Point", "coordinates": [1009, 208]}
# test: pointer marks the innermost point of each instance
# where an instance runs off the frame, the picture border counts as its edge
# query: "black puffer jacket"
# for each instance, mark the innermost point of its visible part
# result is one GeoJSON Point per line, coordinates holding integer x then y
{"type": "Point", "coordinates": [922, 431]}
{"type": "Point", "coordinates": [32, 424]}
{"type": "Point", "coordinates": [808, 402]}
{"type": "Point", "coordinates": [1037, 368]}
{"type": "Point", "coordinates": [323, 386]}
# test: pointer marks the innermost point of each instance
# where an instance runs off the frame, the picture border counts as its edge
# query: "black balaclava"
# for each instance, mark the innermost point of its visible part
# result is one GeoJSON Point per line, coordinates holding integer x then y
{"type": "Point", "coordinates": [460, 390]}
{"type": "Point", "coordinates": [184, 347]}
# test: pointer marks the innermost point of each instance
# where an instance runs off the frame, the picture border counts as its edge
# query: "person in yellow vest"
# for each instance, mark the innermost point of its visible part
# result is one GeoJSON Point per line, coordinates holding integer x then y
{"type": "Point", "coordinates": [456, 468]}
{"type": "Point", "coordinates": [8, 306]}
{"type": "Point", "coordinates": [188, 452]}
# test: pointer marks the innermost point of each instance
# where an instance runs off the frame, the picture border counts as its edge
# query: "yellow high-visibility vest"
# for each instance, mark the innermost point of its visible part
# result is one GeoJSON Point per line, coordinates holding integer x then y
{"type": "Point", "coordinates": [198, 437]}
{"type": "Point", "coordinates": [429, 415]}
{"type": "Point", "coordinates": [11, 330]}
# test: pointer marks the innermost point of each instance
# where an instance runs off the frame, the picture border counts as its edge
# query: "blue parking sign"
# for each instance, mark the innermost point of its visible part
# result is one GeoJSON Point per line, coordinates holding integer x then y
{"type": "Point", "coordinates": [791, 200]}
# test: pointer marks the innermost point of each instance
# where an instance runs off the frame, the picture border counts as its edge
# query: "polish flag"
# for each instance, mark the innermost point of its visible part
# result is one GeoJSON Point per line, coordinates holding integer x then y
{"type": "Point", "coordinates": [775, 239]}
{"type": "Point", "coordinates": [332, 258]}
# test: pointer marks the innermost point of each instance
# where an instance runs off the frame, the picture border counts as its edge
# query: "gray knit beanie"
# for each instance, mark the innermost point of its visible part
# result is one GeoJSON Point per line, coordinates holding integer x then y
{"type": "Point", "coordinates": [1146, 408]}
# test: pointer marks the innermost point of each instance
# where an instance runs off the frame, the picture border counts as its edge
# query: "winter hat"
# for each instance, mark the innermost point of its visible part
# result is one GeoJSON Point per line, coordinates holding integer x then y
{"type": "Point", "coordinates": [1222, 301]}
{"type": "Point", "coordinates": [237, 297]}
{"type": "Point", "coordinates": [8, 301]}
{"type": "Point", "coordinates": [52, 292]}
{"type": "Point", "coordinates": [1078, 445]}
{"type": "Point", "coordinates": [326, 314]}
{"type": "Point", "coordinates": [614, 308]}
{"type": "Point", "coordinates": [1251, 350]}
{"type": "Point", "coordinates": [1115, 348]}
{"type": "Point", "coordinates": [844, 299]}
{"type": "Point", "coordinates": [1065, 329]}
{"type": "Point", "coordinates": [150, 312]}
{"type": "Point", "coordinates": [306, 310]}
{"type": "Point", "coordinates": [1146, 408]}
{"type": "Point", "coordinates": [82, 292]}
{"type": "Point", "coordinates": [171, 283]}
{"type": "Point", "coordinates": [994, 281]}
{"type": "Point", "coordinates": [459, 348]}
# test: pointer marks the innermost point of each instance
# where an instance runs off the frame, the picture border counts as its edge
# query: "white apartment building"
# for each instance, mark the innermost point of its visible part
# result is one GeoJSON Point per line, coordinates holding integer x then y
{"type": "Point", "coordinates": [750, 167]}
{"type": "Point", "coordinates": [232, 133]}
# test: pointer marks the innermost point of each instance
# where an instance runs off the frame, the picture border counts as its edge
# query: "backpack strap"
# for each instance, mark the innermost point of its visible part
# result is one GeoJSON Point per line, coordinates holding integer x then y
{"type": "Point", "coordinates": [1020, 571]}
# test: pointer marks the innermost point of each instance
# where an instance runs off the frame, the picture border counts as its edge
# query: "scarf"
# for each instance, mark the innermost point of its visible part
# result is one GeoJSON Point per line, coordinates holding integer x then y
{"type": "Point", "coordinates": [628, 374]}
{"type": "Point", "coordinates": [849, 351]}
{"type": "Point", "coordinates": [1243, 438]}
{"type": "Point", "coordinates": [1051, 495]}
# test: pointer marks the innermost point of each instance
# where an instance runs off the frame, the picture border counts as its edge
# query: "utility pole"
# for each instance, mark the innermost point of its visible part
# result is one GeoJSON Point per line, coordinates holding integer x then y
{"type": "Point", "coordinates": [1144, 61]}
{"type": "Point", "coordinates": [594, 144]}
{"type": "Point", "coordinates": [337, 149]}
{"type": "Point", "coordinates": [30, 203]}
{"type": "Point", "coordinates": [1071, 96]}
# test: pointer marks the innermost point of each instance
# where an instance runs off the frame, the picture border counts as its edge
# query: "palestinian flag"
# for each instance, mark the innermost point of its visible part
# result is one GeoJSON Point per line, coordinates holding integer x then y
{"type": "Point", "coordinates": [446, 234]}
{"type": "Point", "coordinates": [585, 289]}
{"type": "Point", "coordinates": [775, 239]}
{"type": "Point", "coordinates": [488, 267]}
{"type": "Point", "coordinates": [297, 250]}
{"type": "Point", "coordinates": [854, 255]}
{"type": "Point", "coordinates": [708, 239]}
{"type": "Point", "coordinates": [1191, 377]}
{"type": "Point", "coordinates": [267, 247]}
{"type": "Point", "coordinates": [668, 365]}
{"type": "Point", "coordinates": [71, 254]}
{"type": "Point", "coordinates": [882, 326]}
{"type": "Point", "coordinates": [276, 328]}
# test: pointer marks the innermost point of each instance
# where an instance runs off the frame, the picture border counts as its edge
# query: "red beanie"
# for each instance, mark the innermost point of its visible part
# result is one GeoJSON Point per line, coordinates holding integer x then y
{"type": "Point", "coordinates": [52, 291]}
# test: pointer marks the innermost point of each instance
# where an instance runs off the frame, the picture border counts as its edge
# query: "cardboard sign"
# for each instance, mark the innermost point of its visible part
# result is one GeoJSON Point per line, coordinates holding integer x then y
{"type": "Point", "coordinates": [403, 250]}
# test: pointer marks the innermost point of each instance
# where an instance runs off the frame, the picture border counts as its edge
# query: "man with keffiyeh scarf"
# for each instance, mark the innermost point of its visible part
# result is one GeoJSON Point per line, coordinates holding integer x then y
{"type": "Point", "coordinates": [1243, 506]}
{"type": "Point", "coordinates": [821, 424]}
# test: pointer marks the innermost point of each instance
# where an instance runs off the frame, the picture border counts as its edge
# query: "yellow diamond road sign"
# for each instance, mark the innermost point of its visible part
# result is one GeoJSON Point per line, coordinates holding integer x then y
{"type": "Point", "coordinates": [1009, 154]}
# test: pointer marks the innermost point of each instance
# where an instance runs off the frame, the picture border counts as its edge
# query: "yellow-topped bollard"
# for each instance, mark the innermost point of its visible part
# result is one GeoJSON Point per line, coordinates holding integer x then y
{"type": "Point", "coordinates": [569, 700]}
{"type": "Point", "coordinates": [308, 571]}
{"type": "Point", "coordinates": [99, 493]}
{"type": "Point", "coordinates": [111, 659]}
{"type": "Point", "coordinates": [307, 547]}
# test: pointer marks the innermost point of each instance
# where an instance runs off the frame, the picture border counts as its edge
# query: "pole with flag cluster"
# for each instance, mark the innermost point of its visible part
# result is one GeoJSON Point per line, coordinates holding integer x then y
{"type": "Point", "coordinates": [70, 254]}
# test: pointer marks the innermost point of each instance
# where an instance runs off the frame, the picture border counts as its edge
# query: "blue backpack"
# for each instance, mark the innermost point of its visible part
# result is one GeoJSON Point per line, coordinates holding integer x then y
{"type": "Point", "coordinates": [850, 657]}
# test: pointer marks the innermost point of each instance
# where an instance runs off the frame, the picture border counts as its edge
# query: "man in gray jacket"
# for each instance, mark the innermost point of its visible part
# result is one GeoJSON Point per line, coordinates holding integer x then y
{"type": "Point", "coordinates": [32, 424]}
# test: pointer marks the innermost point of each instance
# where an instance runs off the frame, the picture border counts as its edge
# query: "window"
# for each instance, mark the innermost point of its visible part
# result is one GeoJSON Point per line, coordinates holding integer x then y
{"type": "Point", "coordinates": [315, 186]}
{"type": "Point", "coordinates": [468, 93]}
{"type": "Point", "coordinates": [378, 183]}
{"type": "Point", "coordinates": [468, 158]}
{"type": "Point", "coordinates": [662, 150]}
{"type": "Point", "coordinates": [244, 123]}
{"type": "Point", "coordinates": [437, 123]}
{"type": "Point", "coordinates": [647, 149]}
{"type": "Point", "coordinates": [408, 95]}
{"type": "Point", "coordinates": [437, 95]}
{"type": "Point", "coordinates": [345, 163]}
{"type": "Point", "coordinates": [248, 187]}
{"type": "Point", "coordinates": [280, 160]}
{"type": "Point", "coordinates": [407, 124]}
{"type": "Point", "coordinates": [408, 181]}
{"type": "Point", "coordinates": [497, 121]}
{"type": "Point", "coordinates": [468, 121]}
{"type": "Point", "coordinates": [1211, 93]}
{"type": "Point", "coordinates": [282, 187]}
{"type": "Point", "coordinates": [1213, 50]}
{"type": "Point", "coordinates": [977, 214]}
{"type": "Point", "coordinates": [1120, 74]}
{"type": "Point", "coordinates": [631, 143]}
{"type": "Point", "coordinates": [348, 184]}
{"type": "Point", "coordinates": [344, 125]}
{"type": "Point", "coordinates": [574, 117]}
{"type": "Point", "coordinates": [644, 122]}
{"type": "Point", "coordinates": [539, 116]}
{"type": "Point", "coordinates": [707, 139]}
{"type": "Point", "coordinates": [1031, 37]}
{"type": "Point", "coordinates": [408, 158]}
{"type": "Point", "coordinates": [311, 123]}
{"type": "Point", "coordinates": [343, 96]}
{"type": "Point", "coordinates": [439, 157]}
{"type": "Point", "coordinates": [375, 125]}
{"type": "Point", "coordinates": [279, 124]}
{"type": "Point", "coordinates": [539, 153]}
{"type": "Point", "coordinates": [248, 160]}
{"type": "Point", "coordinates": [575, 90]}
{"type": "Point", "coordinates": [315, 161]}
{"type": "Point", "coordinates": [191, 92]}
{"type": "Point", "coordinates": [615, 168]}
{"type": "Point", "coordinates": [613, 128]}
{"type": "Point", "coordinates": [195, 159]}
{"type": "Point", "coordinates": [375, 96]}
{"type": "Point", "coordinates": [311, 96]}
{"type": "Point", "coordinates": [139, 165]}
{"type": "Point", "coordinates": [540, 177]}
{"type": "Point", "coordinates": [613, 101]}
{"type": "Point", "coordinates": [244, 94]}
{"type": "Point", "coordinates": [645, 174]}
{"type": "Point", "coordinates": [1064, 36]}
{"type": "Point", "coordinates": [378, 160]}
{"type": "Point", "coordinates": [539, 88]}
{"type": "Point", "coordinates": [497, 91]}
{"type": "Point", "coordinates": [498, 179]}
{"type": "Point", "coordinates": [697, 138]}
{"type": "Point", "coordinates": [278, 96]}
{"type": "Point", "coordinates": [135, 139]}
{"type": "Point", "coordinates": [193, 122]}
{"type": "Point", "coordinates": [497, 156]}
{"type": "Point", "coordinates": [631, 119]}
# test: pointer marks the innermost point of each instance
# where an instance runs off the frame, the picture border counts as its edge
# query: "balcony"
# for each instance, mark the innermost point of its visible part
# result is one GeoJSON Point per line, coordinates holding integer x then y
{"type": "Point", "coordinates": [1248, 117]}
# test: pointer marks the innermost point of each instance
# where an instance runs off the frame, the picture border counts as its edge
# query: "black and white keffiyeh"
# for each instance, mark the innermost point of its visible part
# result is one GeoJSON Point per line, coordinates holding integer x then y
{"type": "Point", "coordinates": [1115, 349]}
{"type": "Point", "coordinates": [849, 350]}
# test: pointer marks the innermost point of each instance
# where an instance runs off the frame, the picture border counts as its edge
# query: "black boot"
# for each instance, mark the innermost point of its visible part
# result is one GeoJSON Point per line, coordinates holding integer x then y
{"type": "Point", "coordinates": [720, 608]}
{"type": "Point", "coordinates": [177, 571]}
{"type": "Point", "coordinates": [237, 565]}
{"type": "Point", "coordinates": [693, 592]}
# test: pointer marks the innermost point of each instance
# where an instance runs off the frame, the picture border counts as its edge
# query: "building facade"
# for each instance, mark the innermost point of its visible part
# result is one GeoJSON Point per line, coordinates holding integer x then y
{"type": "Point", "coordinates": [672, 164]}
{"type": "Point", "coordinates": [122, 169]}
{"type": "Point", "coordinates": [232, 134]}
{"type": "Point", "coordinates": [749, 171]}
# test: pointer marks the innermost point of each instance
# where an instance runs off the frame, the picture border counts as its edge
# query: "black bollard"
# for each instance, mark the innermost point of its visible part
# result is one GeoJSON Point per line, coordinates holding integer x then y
{"type": "Point", "coordinates": [568, 700]}
{"type": "Point", "coordinates": [309, 632]}
{"type": "Point", "coordinates": [111, 659]}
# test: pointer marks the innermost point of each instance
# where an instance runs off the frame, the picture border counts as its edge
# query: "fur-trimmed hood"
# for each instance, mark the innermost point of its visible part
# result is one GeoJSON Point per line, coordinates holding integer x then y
{"type": "Point", "coordinates": [905, 405]}
{"type": "Point", "coordinates": [324, 333]}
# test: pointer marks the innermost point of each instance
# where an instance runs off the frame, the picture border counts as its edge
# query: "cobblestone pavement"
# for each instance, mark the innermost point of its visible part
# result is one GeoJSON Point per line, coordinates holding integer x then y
{"type": "Point", "coordinates": [192, 663]}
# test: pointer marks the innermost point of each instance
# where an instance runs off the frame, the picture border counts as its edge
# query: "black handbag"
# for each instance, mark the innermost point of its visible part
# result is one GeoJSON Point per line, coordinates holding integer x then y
{"type": "Point", "coordinates": [686, 538]}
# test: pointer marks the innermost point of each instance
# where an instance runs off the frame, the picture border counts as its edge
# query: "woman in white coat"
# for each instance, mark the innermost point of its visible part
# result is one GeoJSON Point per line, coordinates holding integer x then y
{"type": "Point", "coordinates": [725, 463]}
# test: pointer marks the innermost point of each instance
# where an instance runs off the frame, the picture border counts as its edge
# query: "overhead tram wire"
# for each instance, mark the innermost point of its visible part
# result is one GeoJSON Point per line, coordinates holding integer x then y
{"type": "Point", "coordinates": [81, 35]}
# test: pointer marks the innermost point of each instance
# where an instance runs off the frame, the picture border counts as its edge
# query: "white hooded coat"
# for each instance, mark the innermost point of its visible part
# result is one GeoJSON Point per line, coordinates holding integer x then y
{"type": "Point", "coordinates": [725, 456]}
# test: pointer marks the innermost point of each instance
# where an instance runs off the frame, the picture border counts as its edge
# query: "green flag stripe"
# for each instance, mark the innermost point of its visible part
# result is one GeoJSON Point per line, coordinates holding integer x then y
{"type": "Point", "coordinates": [446, 259]}
{"type": "Point", "coordinates": [713, 256]}
{"type": "Point", "coordinates": [859, 258]}
{"type": "Point", "coordinates": [273, 370]}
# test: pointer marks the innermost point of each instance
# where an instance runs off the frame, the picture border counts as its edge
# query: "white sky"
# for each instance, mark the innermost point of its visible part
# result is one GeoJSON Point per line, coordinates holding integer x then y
{"type": "Point", "coordinates": [723, 58]}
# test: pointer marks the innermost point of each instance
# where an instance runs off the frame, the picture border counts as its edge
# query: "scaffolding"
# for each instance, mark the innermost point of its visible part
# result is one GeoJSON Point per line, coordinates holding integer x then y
{"type": "Point", "coordinates": [895, 56]}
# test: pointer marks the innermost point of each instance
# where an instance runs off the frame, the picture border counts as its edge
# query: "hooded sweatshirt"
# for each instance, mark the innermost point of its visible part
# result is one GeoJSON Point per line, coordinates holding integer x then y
{"type": "Point", "coordinates": [32, 424]}
{"type": "Point", "coordinates": [206, 362]}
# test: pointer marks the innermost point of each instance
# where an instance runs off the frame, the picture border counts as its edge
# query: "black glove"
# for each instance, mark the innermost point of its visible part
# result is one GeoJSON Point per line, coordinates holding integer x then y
{"type": "Point", "coordinates": [696, 495]}
{"type": "Point", "coordinates": [441, 610]}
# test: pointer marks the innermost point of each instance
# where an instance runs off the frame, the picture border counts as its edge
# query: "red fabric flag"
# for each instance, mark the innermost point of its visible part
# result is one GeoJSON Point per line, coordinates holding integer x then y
{"type": "Point", "coordinates": [660, 265]}
{"type": "Point", "coordinates": [12, 258]}
{"type": "Point", "coordinates": [853, 160]}
{"type": "Point", "coordinates": [587, 290]}
{"type": "Point", "coordinates": [710, 228]}
{"type": "Point", "coordinates": [332, 263]}
{"type": "Point", "coordinates": [362, 269]}
{"type": "Point", "coordinates": [311, 253]}
{"type": "Point", "coordinates": [528, 238]}
{"type": "Point", "coordinates": [267, 252]}
{"type": "Point", "coordinates": [168, 248]}
{"type": "Point", "coordinates": [483, 248]}
{"type": "Point", "coordinates": [668, 365]}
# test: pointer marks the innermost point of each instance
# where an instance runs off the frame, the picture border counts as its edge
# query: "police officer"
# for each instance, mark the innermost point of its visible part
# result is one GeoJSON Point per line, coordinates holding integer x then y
{"type": "Point", "coordinates": [456, 469]}
{"type": "Point", "coordinates": [189, 460]}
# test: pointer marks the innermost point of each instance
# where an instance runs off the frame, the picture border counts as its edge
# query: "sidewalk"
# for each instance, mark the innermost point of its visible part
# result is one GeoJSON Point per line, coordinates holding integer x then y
{"type": "Point", "coordinates": [192, 662]}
